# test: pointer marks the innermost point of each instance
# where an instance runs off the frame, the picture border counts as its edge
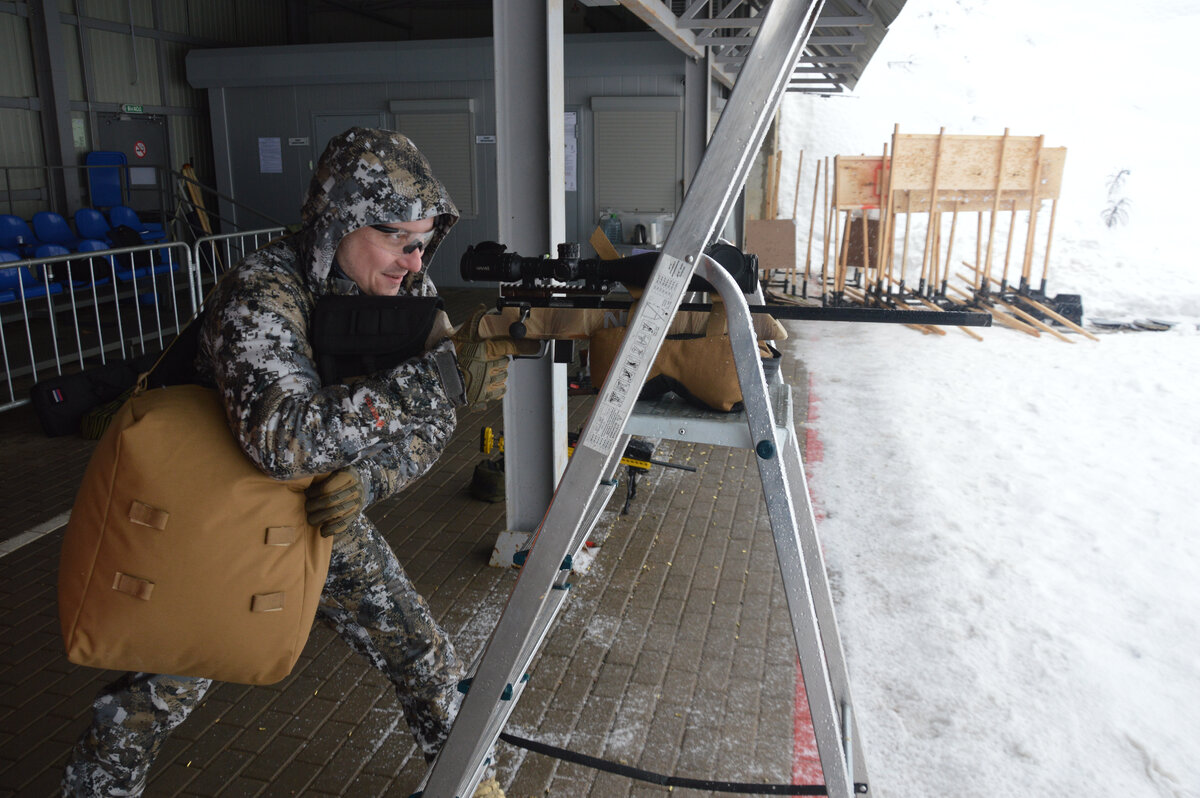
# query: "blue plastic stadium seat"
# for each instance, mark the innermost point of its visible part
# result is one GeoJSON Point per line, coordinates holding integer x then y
{"type": "Point", "coordinates": [20, 281]}
{"type": "Point", "coordinates": [90, 223]}
{"type": "Point", "coordinates": [50, 228]}
{"type": "Point", "coordinates": [15, 235]}
{"type": "Point", "coordinates": [105, 184]}
{"type": "Point", "coordinates": [7, 295]}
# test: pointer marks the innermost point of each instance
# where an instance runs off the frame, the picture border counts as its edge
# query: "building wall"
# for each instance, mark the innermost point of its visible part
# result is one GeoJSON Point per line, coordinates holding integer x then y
{"type": "Point", "coordinates": [278, 93]}
{"type": "Point", "coordinates": [106, 58]}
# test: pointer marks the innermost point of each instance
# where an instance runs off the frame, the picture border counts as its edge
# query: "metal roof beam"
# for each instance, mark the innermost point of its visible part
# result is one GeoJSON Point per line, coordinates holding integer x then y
{"type": "Point", "coordinates": [862, 17]}
{"type": "Point", "coordinates": [849, 38]}
{"type": "Point", "coordinates": [697, 29]}
{"type": "Point", "coordinates": [830, 59]}
{"type": "Point", "coordinates": [663, 21]}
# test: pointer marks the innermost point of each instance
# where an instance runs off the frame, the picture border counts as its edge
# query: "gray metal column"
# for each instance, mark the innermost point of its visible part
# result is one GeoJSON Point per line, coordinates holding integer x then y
{"type": "Point", "coordinates": [532, 212]}
{"type": "Point", "coordinates": [697, 113]}
{"type": "Point", "coordinates": [218, 113]}
{"type": "Point", "coordinates": [49, 58]}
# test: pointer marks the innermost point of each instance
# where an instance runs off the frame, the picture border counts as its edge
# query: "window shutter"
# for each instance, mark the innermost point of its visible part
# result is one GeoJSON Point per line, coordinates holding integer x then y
{"type": "Point", "coordinates": [638, 158]}
{"type": "Point", "coordinates": [444, 132]}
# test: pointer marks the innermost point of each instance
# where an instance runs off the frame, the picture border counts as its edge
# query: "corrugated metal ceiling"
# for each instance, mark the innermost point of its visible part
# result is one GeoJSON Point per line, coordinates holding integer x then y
{"type": "Point", "coordinates": [847, 34]}
{"type": "Point", "coordinates": [845, 38]}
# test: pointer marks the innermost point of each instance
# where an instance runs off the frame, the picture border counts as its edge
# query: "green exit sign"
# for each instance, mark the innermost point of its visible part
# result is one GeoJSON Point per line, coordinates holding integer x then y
{"type": "Point", "coordinates": [133, 109]}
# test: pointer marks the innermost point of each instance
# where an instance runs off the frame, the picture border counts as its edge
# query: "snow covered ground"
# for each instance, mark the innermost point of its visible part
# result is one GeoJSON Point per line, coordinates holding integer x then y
{"type": "Point", "coordinates": [1011, 523]}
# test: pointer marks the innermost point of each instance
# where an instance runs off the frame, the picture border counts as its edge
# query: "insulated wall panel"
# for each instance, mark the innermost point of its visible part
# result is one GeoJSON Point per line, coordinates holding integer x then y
{"type": "Point", "coordinates": [118, 11]}
{"type": "Point", "coordinates": [118, 76]}
{"type": "Point", "coordinates": [21, 143]}
{"type": "Point", "coordinates": [16, 59]}
{"type": "Point", "coordinates": [213, 19]}
{"type": "Point", "coordinates": [191, 142]}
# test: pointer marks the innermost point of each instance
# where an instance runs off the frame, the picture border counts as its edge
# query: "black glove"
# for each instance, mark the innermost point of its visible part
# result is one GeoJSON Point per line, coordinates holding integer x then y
{"type": "Point", "coordinates": [334, 503]}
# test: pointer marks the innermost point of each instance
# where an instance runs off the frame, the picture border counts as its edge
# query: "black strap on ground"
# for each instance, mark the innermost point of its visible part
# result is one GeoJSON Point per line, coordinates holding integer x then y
{"type": "Point", "coordinates": [596, 763]}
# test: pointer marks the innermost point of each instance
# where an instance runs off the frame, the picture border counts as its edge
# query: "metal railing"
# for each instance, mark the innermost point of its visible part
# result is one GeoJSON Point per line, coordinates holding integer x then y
{"type": "Point", "coordinates": [212, 255]}
{"type": "Point", "coordinates": [65, 313]}
{"type": "Point", "coordinates": [203, 204]}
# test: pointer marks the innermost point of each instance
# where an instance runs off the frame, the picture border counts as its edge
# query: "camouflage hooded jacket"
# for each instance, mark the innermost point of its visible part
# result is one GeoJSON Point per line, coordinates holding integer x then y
{"type": "Point", "coordinates": [255, 347]}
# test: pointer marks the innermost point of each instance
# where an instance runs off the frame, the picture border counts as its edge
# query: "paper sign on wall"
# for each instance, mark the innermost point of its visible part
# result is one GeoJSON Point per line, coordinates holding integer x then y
{"type": "Point", "coordinates": [270, 155]}
{"type": "Point", "coordinates": [571, 160]}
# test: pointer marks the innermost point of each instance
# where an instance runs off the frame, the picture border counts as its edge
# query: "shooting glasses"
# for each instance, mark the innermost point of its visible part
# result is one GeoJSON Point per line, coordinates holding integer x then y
{"type": "Point", "coordinates": [401, 242]}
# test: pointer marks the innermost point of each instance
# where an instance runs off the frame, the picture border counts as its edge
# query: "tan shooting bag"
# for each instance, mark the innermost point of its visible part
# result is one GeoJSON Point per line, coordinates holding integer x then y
{"type": "Point", "coordinates": [695, 361]}
{"type": "Point", "coordinates": [182, 557]}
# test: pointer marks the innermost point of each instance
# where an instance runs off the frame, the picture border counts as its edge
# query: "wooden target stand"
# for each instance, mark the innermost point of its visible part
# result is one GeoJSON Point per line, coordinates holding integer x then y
{"type": "Point", "coordinates": [1010, 184]}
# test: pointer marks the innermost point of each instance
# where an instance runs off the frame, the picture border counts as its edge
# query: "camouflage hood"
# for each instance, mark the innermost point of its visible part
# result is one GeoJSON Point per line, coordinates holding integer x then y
{"type": "Point", "coordinates": [367, 177]}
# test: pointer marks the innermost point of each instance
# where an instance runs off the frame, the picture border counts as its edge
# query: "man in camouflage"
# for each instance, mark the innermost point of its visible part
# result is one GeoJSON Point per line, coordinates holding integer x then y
{"type": "Point", "coordinates": [374, 218]}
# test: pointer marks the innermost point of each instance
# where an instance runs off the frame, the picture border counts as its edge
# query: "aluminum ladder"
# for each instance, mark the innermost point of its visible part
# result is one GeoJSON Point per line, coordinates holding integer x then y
{"type": "Point", "coordinates": [587, 483]}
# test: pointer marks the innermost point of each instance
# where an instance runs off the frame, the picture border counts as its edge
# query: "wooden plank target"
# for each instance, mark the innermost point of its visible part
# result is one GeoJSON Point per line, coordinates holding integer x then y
{"type": "Point", "coordinates": [970, 164]}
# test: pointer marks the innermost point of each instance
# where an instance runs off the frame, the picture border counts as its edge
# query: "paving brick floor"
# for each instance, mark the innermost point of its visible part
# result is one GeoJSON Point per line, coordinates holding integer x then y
{"type": "Point", "coordinates": [674, 653]}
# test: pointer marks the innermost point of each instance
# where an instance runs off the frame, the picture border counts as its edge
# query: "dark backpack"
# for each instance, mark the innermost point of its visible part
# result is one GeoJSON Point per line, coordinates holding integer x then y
{"type": "Point", "coordinates": [125, 236]}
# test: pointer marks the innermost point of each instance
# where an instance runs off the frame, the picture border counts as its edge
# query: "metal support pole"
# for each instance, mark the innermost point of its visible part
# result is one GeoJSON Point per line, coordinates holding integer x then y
{"type": "Point", "coordinates": [49, 58]}
{"type": "Point", "coordinates": [530, 164]}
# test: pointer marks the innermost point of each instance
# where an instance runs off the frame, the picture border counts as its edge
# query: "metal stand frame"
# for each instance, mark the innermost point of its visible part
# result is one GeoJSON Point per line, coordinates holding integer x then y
{"type": "Point", "coordinates": [586, 485]}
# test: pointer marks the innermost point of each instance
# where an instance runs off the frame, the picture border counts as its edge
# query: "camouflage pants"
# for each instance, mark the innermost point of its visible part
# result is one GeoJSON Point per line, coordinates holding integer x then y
{"type": "Point", "coordinates": [371, 603]}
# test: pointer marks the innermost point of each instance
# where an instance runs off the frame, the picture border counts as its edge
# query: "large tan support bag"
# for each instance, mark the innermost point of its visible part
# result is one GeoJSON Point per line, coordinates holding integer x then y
{"type": "Point", "coordinates": [181, 557]}
{"type": "Point", "coordinates": [695, 361]}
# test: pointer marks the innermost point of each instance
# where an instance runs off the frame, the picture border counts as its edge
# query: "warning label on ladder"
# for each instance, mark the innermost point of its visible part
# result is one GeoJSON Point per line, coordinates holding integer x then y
{"type": "Point", "coordinates": [657, 307]}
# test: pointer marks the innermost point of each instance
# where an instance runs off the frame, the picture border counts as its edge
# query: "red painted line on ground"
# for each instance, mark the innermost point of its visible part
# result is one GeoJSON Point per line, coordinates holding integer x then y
{"type": "Point", "coordinates": [806, 762]}
{"type": "Point", "coordinates": [814, 449]}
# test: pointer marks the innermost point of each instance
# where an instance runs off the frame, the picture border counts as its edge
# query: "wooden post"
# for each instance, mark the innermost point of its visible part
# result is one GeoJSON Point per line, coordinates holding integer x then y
{"type": "Point", "coordinates": [842, 238]}
{"type": "Point", "coordinates": [882, 253]}
{"type": "Point", "coordinates": [1034, 205]}
{"type": "Point", "coordinates": [839, 278]}
{"type": "Point", "coordinates": [825, 251]}
{"type": "Point", "coordinates": [978, 249]}
{"type": "Point", "coordinates": [775, 190]}
{"type": "Point", "coordinates": [891, 204]}
{"type": "Point", "coordinates": [935, 256]}
{"type": "Point", "coordinates": [987, 267]}
{"type": "Point", "coordinates": [795, 207]}
{"type": "Point", "coordinates": [1012, 226]}
{"type": "Point", "coordinates": [868, 282]}
{"type": "Point", "coordinates": [949, 248]}
{"type": "Point", "coordinates": [768, 187]}
{"type": "Point", "coordinates": [812, 223]}
{"type": "Point", "coordinates": [1049, 237]}
{"type": "Point", "coordinates": [904, 251]}
{"type": "Point", "coordinates": [796, 193]}
{"type": "Point", "coordinates": [937, 162]}
{"type": "Point", "coordinates": [774, 162]}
